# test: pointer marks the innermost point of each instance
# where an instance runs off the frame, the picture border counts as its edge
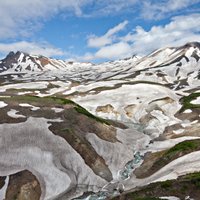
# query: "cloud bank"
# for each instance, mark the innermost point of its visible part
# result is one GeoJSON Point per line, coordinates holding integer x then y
{"type": "Point", "coordinates": [178, 31]}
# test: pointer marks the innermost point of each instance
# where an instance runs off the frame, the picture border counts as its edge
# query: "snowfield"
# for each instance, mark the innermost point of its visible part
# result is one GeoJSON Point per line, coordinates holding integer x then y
{"type": "Point", "coordinates": [143, 93]}
{"type": "Point", "coordinates": [44, 161]}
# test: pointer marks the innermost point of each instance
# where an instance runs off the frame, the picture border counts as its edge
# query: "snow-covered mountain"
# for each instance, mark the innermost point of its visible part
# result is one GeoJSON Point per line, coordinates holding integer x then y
{"type": "Point", "coordinates": [150, 104]}
{"type": "Point", "coordinates": [23, 62]}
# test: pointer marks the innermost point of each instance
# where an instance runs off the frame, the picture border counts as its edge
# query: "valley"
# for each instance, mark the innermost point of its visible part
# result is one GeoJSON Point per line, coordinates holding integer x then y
{"type": "Point", "coordinates": [84, 131]}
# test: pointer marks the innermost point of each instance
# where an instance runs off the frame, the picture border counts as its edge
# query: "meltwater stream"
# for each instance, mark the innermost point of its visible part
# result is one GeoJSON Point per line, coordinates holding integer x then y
{"type": "Point", "coordinates": [115, 187]}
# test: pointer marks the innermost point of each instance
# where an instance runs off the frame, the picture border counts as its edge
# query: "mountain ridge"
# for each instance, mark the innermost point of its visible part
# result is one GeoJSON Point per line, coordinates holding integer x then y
{"type": "Point", "coordinates": [42, 63]}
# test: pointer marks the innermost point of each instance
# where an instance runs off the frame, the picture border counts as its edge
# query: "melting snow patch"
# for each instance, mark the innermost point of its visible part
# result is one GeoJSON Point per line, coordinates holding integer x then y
{"type": "Point", "coordinates": [13, 113]}
{"type": "Point", "coordinates": [186, 123]}
{"type": "Point", "coordinates": [57, 110]}
{"type": "Point", "coordinates": [196, 101]}
{"type": "Point", "coordinates": [188, 111]}
{"type": "Point", "coordinates": [179, 131]}
{"type": "Point", "coordinates": [194, 122]}
{"type": "Point", "coordinates": [32, 85]}
{"type": "Point", "coordinates": [23, 93]}
{"type": "Point", "coordinates": [170, 198]}
{"type": "Point", "coordinates": [33, 108]}
{"type": "Point", "coordinates": [3, 104]}
{"type": "Point", "coordinates": [3, 190]}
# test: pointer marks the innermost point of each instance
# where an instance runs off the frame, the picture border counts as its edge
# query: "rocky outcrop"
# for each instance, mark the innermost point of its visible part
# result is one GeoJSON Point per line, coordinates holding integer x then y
{"type": "Point", "coordinates": [23, 186]}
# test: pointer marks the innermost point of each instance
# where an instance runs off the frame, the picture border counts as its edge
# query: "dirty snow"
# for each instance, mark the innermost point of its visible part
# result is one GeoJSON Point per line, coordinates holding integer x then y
{"type": "Point", "coordinates": [20, 149]}
{"type": "Point", "coordinates": [92, 85]}
{"type": "Point", "coordinates": [139, 94]}
{"type": "Point", "coordinates": [60, 87]}
{"type": "Point", "coordinates": [179, 131]}
{"type": "Point", "coordinates": [31, 85]}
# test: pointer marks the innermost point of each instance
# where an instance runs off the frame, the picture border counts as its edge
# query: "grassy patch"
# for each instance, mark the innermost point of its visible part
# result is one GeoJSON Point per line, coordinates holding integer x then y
{"type": "Point", "coordinates": [167, 184]}
{"type": "Point", "coordinates": [83, 111]}
{"type": "Point", "coordinates": [165, 157]}
{"type": "Point", "coordinates": [186, 102]}
{"type": "Point", "coordinates": [61, 101]}
{"type": "Point", "coordinates": [181, 187]}
{"type": "Point", "coordinates": [178, 150]}
{"type": "Point", "coordinates": [183, 148]}
{"type": "Point", "coordinates": [194, 178]}
{"type": "Point", "coordinates": [41, 100]}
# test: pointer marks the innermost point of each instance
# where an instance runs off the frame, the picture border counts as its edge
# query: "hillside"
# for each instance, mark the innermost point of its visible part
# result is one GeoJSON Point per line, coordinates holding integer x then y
{"type": "Point", "coordinates": [71, 130]}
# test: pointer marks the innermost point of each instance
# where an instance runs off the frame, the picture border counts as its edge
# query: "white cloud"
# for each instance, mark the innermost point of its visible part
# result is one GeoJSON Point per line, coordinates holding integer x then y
{"type": "Point", "coordinates": [32, 48]}
{"type": "Point", "coordinates": [178, 31]}
{"type": "Point", "coordinates": [24, 17]}
{"type": "Point", "coordinates": [114, 51]}
{"type": "Point", "coordinates": [111, 7]}
{"type": "Point", "coordinates": [19, 17]}
{"type": "Point", "coordinates": [95, 41]}
{"type": "Point", "coordinates": [161, 8]}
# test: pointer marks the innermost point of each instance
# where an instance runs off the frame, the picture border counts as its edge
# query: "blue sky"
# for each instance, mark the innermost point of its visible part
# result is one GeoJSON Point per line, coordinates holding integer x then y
{"type": "Point", "coordinates": [96, 30]}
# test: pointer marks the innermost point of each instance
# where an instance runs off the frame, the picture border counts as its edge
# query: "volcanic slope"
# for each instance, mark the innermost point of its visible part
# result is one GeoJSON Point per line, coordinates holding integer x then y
{"type": "Point", "coordinates": [149, 104]}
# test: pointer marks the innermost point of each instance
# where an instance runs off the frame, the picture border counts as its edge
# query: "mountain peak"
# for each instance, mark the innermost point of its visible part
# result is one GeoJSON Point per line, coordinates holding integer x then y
{"type": "Point", "coordinates": [194, 44]}
{"type": "Point", "coordinates": [11, 53]}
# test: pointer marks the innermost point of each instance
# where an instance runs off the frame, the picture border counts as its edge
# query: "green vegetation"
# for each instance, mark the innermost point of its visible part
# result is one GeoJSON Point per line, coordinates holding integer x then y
{"type": "Point", "coordinates": [38, 100]}
{"type": "Point", "coordinates": [186, 102]}
{"type": "Point", "coordinates": [49, 101]}
{"type": "Point", "coordinates": [167, 184]}
{"type": "Point", "coordinates": [183, 147]}
{"type": "Point", "coordinates": [61, 101]}
{"type": "Point", "coordinates": [178, 150]}
{"type": "Point", "coordinates": [83, 111]}
{"type": "Point", "coordinates": [181, 187]}
{"type": "Point", "coordinates": [195, 175]}
{"type": "Point", "coordinates": [165, 157]}
{"type": "Point", "coordinates": [194, 178]}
